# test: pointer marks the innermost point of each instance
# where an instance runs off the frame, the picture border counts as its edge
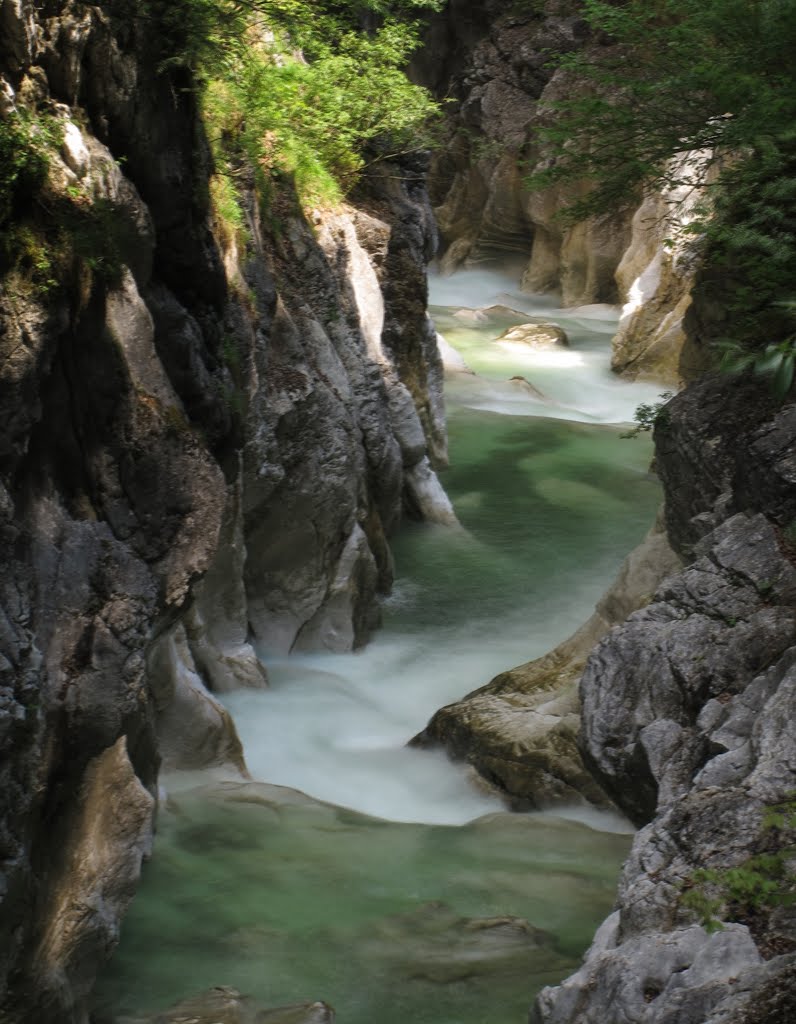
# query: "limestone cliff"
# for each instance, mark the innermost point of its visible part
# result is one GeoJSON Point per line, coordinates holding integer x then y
{"type": "Point", "coordinates": [493, 66]}
{"type": "Point", "coordinates": [206, 437]}
{"type": "Point", "coordinates": [687, 712]}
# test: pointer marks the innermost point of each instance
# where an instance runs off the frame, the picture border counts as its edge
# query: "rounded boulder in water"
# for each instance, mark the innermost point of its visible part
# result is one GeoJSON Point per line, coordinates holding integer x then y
{"type": "Point", "coordinates": [536, 335]}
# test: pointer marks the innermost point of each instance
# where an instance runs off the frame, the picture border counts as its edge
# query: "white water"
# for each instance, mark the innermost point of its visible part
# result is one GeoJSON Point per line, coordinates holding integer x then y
{"type": "Point", "coordinates": [577, 381]}
{"type": "Point", "coordinates": [572, 500]}
{"type": "Point", "coordinates": [306, 902]}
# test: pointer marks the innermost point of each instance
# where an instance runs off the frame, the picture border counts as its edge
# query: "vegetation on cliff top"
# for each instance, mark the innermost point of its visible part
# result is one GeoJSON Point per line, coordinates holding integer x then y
{"type": "Point", "coordinates": [713, 79]}
{"type": "Point", "coordinates": [298, 87]}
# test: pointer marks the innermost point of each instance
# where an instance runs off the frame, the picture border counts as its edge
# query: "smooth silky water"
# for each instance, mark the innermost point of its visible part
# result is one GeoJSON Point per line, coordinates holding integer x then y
{"type": "Point", "coordinates": [392, 918]}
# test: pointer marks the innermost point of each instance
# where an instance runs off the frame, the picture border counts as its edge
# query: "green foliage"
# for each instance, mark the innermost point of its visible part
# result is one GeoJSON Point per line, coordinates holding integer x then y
{"type": "Point", "coordinates": [763, 881]}
{"type": "Point", "coordinates": [25, 146]}
{"type": "Point", "coordinates": [300, 88]}
{"type": "Point", "coordinates": [750, 244]}
{"type": "Point", "coordinates": [647, 415]}
{"type": "Point", "coordinates": [677, 77]}
{"type": "Point", "coordinates": [226, 203]}
{"type": "Point", "coordinates": [42, 232]}
{"type": "Point", "coordinates": [62, 234]}
{"type": "Point", "coordinates": [694, 94]}
{"type": "Point", "coordinates": [776, 361]}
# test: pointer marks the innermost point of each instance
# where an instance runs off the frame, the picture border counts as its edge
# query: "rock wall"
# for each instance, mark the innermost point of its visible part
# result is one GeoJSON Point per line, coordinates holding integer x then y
{"type": "Point", "coordinates": [687, 712]}
{"type": "Point", "coordinates": [492, 68]}
{"type": "Point", "coordinates": [205, 441]}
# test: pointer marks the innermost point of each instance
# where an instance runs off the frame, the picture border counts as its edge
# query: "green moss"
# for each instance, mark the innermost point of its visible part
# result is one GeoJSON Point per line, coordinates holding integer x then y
{"type": "Point", "coordinates": [226, 205]}
{"type": "Point", "coordinates": [297, 89]}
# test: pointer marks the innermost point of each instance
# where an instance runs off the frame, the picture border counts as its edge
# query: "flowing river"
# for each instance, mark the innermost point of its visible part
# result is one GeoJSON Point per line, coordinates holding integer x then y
{"type": "Point", "coordinates": [409, 895]}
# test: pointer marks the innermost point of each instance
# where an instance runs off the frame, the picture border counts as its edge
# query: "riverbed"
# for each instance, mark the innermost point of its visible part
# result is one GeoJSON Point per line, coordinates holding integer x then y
{"type": "Point", "coordinates": [407, 894]}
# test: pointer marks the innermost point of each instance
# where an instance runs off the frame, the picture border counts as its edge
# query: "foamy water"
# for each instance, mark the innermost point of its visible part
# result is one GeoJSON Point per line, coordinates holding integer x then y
{"type": "Point", "coordinates": [550, 504]}
{"type": "Point", "coordinates": [577, 382]}
{"type": "Point", "coordinates": [390, 920]}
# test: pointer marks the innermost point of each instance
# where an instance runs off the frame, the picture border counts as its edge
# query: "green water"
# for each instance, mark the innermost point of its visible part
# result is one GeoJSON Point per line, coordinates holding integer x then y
{"type": "Point", "coordinates": [296, 902]}
{"type": "Point", "coordinates": [390, 920]}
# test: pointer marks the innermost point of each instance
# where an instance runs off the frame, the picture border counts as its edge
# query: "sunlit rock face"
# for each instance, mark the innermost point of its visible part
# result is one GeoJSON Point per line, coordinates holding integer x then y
{"type": "Point", "coordinates": [205, 441]}
{"type": "Point", "coordinates": [492, 68]}
{"type": "Point", "coordinates": [656, 278]}
{"type": "Point", "coordinates": [493, 65]}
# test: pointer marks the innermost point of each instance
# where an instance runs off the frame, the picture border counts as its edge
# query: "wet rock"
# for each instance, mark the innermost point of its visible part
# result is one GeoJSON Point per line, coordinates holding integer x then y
{"type": "Point", "coordinates": [224, 1005]}
{"type": "Point", "coordinates": [685, 725]}
{"type": "Point", "coordinates": [536, 335]}
{"type": "Point", "coordinates": [194, 729]}
{"type": "Point", "coordinates": [500, 312]}
{"type": "Point", "coordinates": [105, 841]}
{"type": "Point", "coordinates": [524, 385]}
{"type": "Point", "coordinates": [470, 316]}
{"type": "Point", "coordinates": [520, 731]}
{"type": "Point", "coordinates": [451, 359]}
{"type": "Point", "coordinates": [426, 496]}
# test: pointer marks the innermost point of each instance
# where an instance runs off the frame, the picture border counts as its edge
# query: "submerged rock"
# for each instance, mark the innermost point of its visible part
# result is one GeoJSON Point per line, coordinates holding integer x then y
{"type": "Point", "coordinates": [537, 335]}
{"type": "Point", "coordinates": [435, 944]}
{"type": "Point", "coordinates": [470, 316]}
{"type": "Point", "coordinates": [224, 1005]}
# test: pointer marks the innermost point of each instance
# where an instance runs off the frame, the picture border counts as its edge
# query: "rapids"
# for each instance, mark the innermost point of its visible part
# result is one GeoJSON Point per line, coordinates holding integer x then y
{"type": "Point", "coordinates": [397, 899]}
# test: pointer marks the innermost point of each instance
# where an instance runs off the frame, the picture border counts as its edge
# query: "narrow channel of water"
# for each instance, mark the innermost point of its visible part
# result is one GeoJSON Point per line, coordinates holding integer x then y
{"type": "Point", "coordinates": [439, 908]}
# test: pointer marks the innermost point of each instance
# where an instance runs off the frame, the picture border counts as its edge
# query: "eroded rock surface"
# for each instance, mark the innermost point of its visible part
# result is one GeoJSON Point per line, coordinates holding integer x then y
{"type": "Point", "coordinates": [538, 335]}
{"type": "Point", "coordinates": [206, 439]}
{"type": "Point", "coordinates": [493, 67]}
{"type": "Point", "coordinates": [687, 723]}
{"type": "Point", "coordinates": [227, 1006]}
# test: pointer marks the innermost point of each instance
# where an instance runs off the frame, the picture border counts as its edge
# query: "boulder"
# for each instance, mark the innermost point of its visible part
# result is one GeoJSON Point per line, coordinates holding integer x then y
{"type": "Point", "coordinates": [538, 335]}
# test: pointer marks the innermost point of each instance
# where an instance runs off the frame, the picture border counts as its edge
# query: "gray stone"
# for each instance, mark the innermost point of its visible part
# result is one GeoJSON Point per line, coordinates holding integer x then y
{"type": "Point", "coordinates": [687, 715]}
{"type": "Point", "coordinates": [536, 335]}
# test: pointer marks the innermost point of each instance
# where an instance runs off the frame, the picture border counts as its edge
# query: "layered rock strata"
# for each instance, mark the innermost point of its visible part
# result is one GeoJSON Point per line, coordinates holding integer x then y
{"type": "Point", "coordinates": [206, 437]}
{"type": "Point", "coordinates": [493, 68]}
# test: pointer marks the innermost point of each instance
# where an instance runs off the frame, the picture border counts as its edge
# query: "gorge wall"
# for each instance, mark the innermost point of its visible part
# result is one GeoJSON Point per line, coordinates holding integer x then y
{"type": "Point", "coordinates": [490, 64]}
{"type": "Point", "coordinates": [207, 436]}
{"type": "Point", "coordinates": [686, 724]}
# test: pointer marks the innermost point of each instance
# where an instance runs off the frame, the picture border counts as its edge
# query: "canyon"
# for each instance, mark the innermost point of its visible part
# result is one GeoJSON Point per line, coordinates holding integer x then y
{"type": "Point", "coordinates": [209, 441]}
